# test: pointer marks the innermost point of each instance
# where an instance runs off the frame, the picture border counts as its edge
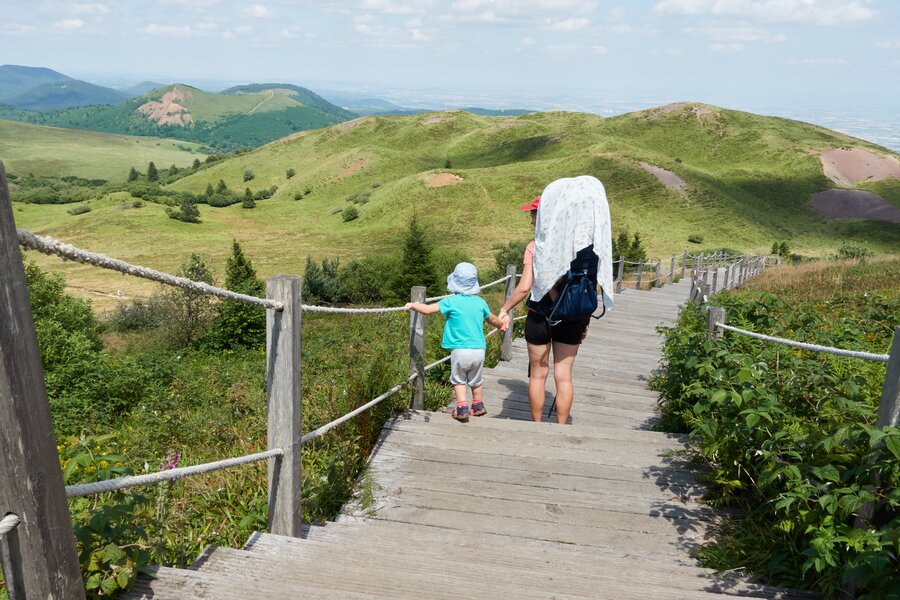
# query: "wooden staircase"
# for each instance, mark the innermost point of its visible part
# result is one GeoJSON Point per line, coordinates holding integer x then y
{"type": "Point", "coordinates": [502, 507]}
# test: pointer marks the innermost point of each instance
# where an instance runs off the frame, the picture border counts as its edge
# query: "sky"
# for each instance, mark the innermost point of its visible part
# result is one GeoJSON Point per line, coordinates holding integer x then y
{"type": "Point", "coordinates": [837, 59]}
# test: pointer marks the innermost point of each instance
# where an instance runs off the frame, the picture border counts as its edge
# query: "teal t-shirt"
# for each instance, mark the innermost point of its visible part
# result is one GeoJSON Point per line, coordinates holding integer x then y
{"type": "Point", "coordinates": [464, 321]}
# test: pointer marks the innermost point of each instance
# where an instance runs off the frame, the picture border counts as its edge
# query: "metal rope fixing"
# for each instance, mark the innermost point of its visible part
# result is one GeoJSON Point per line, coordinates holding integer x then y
{"type": "Point", "coordinates": [8, 523]}
{"type": "Point", "coordinates": [121, 483]}
{"type": "Point", "coordinates": [48, 245]}
{"type": "Point", "coordinates": [805, 346]}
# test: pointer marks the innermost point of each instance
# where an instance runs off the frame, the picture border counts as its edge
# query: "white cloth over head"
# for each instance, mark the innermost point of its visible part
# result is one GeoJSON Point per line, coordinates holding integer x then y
{"type": "Point", "coordinates": [573, 214]}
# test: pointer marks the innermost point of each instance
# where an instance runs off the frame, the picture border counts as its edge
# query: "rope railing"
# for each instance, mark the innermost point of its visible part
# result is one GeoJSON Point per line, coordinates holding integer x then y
{"type": "Point", "coordinates": [48, 245]}
{"type": "Point", "coordinates": [8, 523]}
{"type": "Point", "coordinates": [122, 483]}
{"type": "Point", "coordinates": [806, 346]}
{"type": "Point", "coordinates": [487, 285]}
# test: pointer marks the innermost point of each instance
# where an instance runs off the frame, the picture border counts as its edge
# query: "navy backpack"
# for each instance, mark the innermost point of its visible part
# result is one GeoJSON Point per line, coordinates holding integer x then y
{"type": "Point", "coordinates": [577, 299]}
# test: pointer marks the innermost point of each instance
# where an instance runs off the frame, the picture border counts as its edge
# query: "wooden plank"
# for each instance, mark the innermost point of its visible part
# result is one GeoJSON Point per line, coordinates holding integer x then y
{"type": "Point", "coordinates": [45, 562]}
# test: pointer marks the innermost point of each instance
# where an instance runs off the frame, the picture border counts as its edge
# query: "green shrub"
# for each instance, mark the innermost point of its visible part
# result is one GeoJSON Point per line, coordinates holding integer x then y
{"type": "Point", "coordinates": [248, 175]}
{"type": "Point", "coordinates": [290, 173]}
{"type": "Point", "coordinates": [138, 315]}
{"type": "Point", "coordinates": [239, 325]}
{"type": "Point", "coordinates": [79, 210]}
{"type": "Point", "coordinates": [350, 214]}
{"type": "Point", "coordinates": [511, 253]}
{"type": "Point", "coordinates": [695, 238]}
{"type": "Point", "coordinates": [853, 250]}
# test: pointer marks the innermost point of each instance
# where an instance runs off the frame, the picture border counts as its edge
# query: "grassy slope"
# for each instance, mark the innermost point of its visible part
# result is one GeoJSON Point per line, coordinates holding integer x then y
{"type": "Point", "coordinates": [749, 179]}
{"type": "Point", "coordinates": [58, 152]}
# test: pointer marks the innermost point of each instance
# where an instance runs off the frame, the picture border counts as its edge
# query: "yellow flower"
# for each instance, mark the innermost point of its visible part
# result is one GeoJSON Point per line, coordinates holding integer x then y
{"type": "Point", "coordinates": [103, 464]}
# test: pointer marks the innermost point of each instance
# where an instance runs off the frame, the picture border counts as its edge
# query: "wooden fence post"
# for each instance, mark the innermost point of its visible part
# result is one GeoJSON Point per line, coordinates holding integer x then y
{"type": "Point", "coordinates": [40, 559]}
{"type": "Point", "coordinates": [715, 279]}
{"type": "Point", "coordinates": [672, 270]}
{"type": "Point", "coordinates": [506, 351]}
{"type": "Point", "coordinates": [283, 403]}
{"type": "Point", "coordinates": [715, 315]}
{"type": "Point", "coordinates": [621, 273]}
{"type": "Point", "coordinates": [417, 349]}
{"type": "Point", "coordinates": [683, 263]}
{"type": "Point", "coordinates": [889, 409]}
{"type": "Point", "coordinates": [656, 280]}
{"type": "Point", "coordinates": [640, 272]}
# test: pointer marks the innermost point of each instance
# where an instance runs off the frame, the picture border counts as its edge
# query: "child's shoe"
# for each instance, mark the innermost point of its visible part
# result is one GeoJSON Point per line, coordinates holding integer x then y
{"type": "Point", "coordinates": [461, 413]}
{"type": "Point", "coordinates": [478, 409]}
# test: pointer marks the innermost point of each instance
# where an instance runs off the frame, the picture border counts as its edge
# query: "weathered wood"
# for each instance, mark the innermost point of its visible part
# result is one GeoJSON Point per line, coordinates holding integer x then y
{"type": "Point", "coordinates": [42, 554]}
{"type": "Point", "coordinates": [889, 409]}
{"type": "Point", "coordinates": [417, 349]}
{"type": "Point", "coordinates": [656, 279]}
{"type": "Point", "coordinates": [283, 401]}
{"type": "Point", "coordinates": [715, 279]}
{"type": "Point", "coordinates": [725, 278]}
{"type": "Point", "coordinates": [506, 350]}
{"type": "Point", "coordinates": [621, 273]}
{"type": "Point", "coordinates": [683, 263]}
{"type": "Point", "coordinates": [715, 316]}
{"type": "Point", "coordinates": [672, 270]}
{"type": "Point", "coordinates": [640, 272]}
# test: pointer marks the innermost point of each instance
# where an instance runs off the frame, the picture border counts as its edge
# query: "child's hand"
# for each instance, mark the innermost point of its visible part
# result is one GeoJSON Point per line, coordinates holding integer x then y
{"type": "Point", "coordinates": [408, 306]}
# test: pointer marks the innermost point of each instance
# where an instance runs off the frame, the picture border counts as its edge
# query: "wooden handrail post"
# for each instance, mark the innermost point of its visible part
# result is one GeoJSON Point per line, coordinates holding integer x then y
{"type": "Point", "coordinates": [621, 273]}
{"type": "Point", "coordinates": [715, 279]}
{"type": "Point", "coordinates": [40, 560]}
{"type": "Point", "coordinates": [656, 280]}
{"type": "Point", "coordinates": [889, 409]}
{"type": "Point", "coordinates": [637, 286]}
{"type": "Point", "coordinates": [725, 277]}
{"type": "Point", "coordinates": [672, 270]}
{"type": "Point", "coordinates": [417, 349]}
{"type": "Point", "coordinates": [715, 315]}
{"type": "Point", "coordinates": [506, 350]}
{"type": "Point", "coordinates": [283, 403]}
{"type": "Point", "coordinates": [683, 263]}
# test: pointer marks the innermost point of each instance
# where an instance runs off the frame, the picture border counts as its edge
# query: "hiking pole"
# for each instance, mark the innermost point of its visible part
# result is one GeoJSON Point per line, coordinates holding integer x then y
{"type": "Point", "coordinates": [552, 408]}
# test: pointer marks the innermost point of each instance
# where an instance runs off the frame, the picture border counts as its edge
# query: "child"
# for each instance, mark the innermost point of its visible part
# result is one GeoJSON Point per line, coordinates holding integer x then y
{"type": "Point", "coordinates": [464, 313]}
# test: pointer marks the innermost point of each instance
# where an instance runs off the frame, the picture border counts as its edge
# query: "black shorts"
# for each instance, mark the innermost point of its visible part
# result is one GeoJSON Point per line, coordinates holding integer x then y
{"type": "Point", "coordinates": [539, 332]}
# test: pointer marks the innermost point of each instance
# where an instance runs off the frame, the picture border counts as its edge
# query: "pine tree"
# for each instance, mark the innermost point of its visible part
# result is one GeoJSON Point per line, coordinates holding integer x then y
{"type": "Point", "coordinates": [237, 324]}
{"type": "Point", "coordinates": [196, 164]}
{"type": "Point", "coordinates": [209, 190]}
{"type": "Point", "coordinates": [189, 212]}
{"type": "Point", "coordinates": [417, 267]}
{"type": "Point", "coordinates": [152, 173]}
{"type": "Point", "coordinates": [190, 311]}
{"type": "Point", "coordinates": [221, 187]}
{"type": "Point", "coordinates": [132, 174]}
{"type": "Point", "coordinates": [173, 170]}
{"type": "Point", "coordinates": [248, 201]}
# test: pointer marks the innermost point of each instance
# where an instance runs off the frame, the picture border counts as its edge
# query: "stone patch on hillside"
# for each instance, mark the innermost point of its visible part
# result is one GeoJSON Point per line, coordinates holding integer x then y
{"type": "Point", "coordinates": [665, 177]}
{"type": "Point", "coordinates": [347, 125]}
{"type": "Point", "coordinates": [167, 110]}
{"type": "Point", "coordinates": [840, 203]}
{"type": "Point", "coordinates": [850, 166]}
{"type": "Point", "coordinates": [434, 120]}
{"type": "Point", "coordinates": [698, 110]}
{"type": "Point", "coordinates": [442, 179]}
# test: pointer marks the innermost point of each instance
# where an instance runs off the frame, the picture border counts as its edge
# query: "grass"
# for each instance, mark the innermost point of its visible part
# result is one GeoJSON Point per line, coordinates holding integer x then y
{"type": "Point", "coordinates": [749, 178]}
{"type": "Point", "coordinates": [58, 152]}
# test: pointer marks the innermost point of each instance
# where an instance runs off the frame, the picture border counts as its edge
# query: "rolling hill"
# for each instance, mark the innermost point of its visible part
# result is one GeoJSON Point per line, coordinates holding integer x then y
{"type": "Point", "coordinates": [16, 79]}
{"type": "Point", "coordinates": [39, 89]}
{"type": "Point", "coordinates": [59, 152]}
{"type": "Point", "coordinates": [244, 117]}
{"type": "Point", "coordinates": [740, 180]}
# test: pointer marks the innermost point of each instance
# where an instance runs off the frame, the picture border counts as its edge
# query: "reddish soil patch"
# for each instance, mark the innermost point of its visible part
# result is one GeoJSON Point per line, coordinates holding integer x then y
{"type": "Point", "coordinates": [167, 111]}
{"type": "Point", "coordinates": [434, 120]}
{"type": "Point", "coordinates": [347, 125]}
{"type": "Point", "coordinates": [442, 179]}
{"type": "Point", "coordinates": [665, 177]}
{"type": "Point", "coordinates": [853, 204]}
{"type": "Point", "coordinates": [849, 166]}
{"type": "Point", "coordinates": [352, 169]}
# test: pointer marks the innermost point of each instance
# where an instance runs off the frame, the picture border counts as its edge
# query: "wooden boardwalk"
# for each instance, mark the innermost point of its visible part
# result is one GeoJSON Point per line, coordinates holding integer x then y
{"type": "Point", "coordinates": [502, 507]}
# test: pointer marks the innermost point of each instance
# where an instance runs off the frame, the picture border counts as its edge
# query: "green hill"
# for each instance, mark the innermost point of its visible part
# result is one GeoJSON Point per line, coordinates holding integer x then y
{"type": "Point", "coordinates": [59, 152]}
{"type": "Point", "coordinates": [747, 183]}
{"type": "Point", "coordinates": [65, 94]}
{"type": "Point", "coordinates": [16, 79]}
{"type": "Point", "coordinates": [245, 117]}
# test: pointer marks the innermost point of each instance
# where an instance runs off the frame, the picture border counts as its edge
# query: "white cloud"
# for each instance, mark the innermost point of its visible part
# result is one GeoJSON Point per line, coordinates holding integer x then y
{"type": "Point", "coordinates": [16, 29]}
{"type": "Point", "coordinates": [572, 48]}
{"type": "Point", "coordinates": [892, 45]}
{"type": "Point", "coordinates": [257, 11]}
{"type": "Point", "coordinates": [393, 7]}
{"type": "Point", "coordinates": [67, 25]}
{"type": "Point", "coordinates": [528, 41]}
{"type": "Point", "coordinates": [570, 25]}
{"type": "Point", "coordinates": [738, 33]}
{"type": "Point", "coordinates": [182, 31]}
{"type": "Point", "coordinates": [817, 12]}
{"type": "Point", "coordinates": [726, 48]}
{"type": "Point", "coordinates": [418, 36]}
{"type": "Point", "coordinates": [90, 9]}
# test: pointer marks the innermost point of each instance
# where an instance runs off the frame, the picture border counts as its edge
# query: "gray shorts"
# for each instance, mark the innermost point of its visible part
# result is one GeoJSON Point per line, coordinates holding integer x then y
{"type": "Point", "coordinates": [467, 366]}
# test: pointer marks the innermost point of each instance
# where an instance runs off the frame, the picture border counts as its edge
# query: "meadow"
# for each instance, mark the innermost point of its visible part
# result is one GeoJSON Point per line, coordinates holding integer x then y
{"type": "Point", "coordinates": [748, 182]}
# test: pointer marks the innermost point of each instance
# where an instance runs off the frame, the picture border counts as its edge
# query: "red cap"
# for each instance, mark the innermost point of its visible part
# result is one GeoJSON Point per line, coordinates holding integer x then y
{"type": "Point", "coordinates": [531, 206]}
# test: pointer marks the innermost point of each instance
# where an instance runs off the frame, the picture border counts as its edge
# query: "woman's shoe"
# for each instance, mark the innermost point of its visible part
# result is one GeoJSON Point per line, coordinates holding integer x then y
{"type": "Point", "coordinates": [478, 409]}
{"type": "Point", "coordinates": [461, 413]}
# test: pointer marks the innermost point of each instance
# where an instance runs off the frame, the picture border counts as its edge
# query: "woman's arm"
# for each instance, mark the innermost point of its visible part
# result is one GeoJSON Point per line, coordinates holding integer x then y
{"type": "Point", "coordinates": [523, 289]}
{"type": "Point", "coordinates": [421, 308]}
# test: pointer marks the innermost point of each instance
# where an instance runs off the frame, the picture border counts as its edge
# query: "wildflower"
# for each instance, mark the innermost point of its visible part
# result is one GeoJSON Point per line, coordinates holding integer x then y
{"type": "Point", "coordinates": [103, 464]}
{"type": "Point", "coordinates": [173, 457]}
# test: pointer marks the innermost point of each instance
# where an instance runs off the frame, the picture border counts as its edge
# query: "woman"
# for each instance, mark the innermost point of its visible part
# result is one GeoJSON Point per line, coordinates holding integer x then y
{"type": "Point", "coordinates": [571, 214]}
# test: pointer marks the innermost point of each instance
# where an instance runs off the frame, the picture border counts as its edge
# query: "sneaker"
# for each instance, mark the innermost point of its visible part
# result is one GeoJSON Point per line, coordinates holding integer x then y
{"type": "Point", "coordinates": [461, 413]}
{"type": "Point", "coordinates": [478, 409]}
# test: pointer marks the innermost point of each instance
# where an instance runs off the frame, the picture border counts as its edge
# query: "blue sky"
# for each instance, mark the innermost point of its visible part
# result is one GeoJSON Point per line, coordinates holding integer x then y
{"type": "Point", "coordinates": [769, 56]}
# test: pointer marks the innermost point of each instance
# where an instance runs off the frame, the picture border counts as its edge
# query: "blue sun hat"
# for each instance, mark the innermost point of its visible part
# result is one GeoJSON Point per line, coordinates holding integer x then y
{"type": "Point", "coordinates": [464, 279]}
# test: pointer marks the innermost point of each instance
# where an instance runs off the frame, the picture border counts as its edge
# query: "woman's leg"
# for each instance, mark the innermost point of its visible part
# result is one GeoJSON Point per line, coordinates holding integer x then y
{"type": "Point", "coordinates": [539, 363]}
{"type": "Point", "coordinates": [563, 360]}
